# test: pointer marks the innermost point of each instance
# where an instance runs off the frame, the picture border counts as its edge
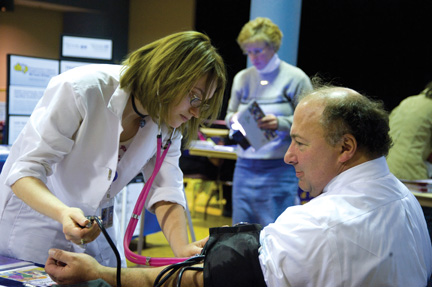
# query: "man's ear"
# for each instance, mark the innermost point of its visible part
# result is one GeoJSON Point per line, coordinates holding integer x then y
{"type": "Point", "coordinates": [348, 147]}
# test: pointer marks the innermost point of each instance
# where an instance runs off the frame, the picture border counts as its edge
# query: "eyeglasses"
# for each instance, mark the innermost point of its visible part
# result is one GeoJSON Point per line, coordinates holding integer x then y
{"type": "Point", "coordinates": [254, 52]}
{"type": "Point", "coordinates": [196, 102]}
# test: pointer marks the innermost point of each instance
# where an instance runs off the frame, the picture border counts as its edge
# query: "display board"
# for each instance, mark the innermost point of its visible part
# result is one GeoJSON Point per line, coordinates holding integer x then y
{"type": "Point", "coordinates": [86, 48]}
{"type": "Point", "coordinates": [29, 76]}
{"type": "Point", "coordinates": [66, 65]}
{"type": "Point", "coordinates": [26, 82]}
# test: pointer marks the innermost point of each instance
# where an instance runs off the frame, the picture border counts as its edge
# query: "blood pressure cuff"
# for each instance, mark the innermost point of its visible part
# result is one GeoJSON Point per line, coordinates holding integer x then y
{"type": "Point", "coordinates": [231, 257]}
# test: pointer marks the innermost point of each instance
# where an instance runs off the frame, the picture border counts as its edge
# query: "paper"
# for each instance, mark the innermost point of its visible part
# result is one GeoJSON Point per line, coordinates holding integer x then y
{"type": "Point", "coordinates": [30, 275]}
{"type": "Point", "coordinates": [11, 263]}
{"type": "Point", "coordinates": [421, 185]}
{"type": "Point", "coordinates": [248, 119]}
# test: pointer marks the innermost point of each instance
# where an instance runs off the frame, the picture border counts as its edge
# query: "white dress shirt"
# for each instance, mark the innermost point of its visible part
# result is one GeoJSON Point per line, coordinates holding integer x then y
{"type": "Point", "coordinates": [365, 229]}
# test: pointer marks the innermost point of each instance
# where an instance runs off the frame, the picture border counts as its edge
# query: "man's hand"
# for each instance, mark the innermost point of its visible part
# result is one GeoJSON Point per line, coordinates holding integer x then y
{"type": "Point", "coordinates": [70, 268]}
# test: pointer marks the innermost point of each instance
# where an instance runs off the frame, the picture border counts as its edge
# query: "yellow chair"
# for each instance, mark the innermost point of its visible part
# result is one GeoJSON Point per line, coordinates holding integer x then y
{"type": "Point", "coordinates": [200, 185]}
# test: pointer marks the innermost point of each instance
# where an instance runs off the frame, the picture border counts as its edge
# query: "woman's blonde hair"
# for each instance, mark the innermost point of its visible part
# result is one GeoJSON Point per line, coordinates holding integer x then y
{"type": "Point", "coordinates": [260, 30]}
{"type": "Point", "coordinates": [163, 72]}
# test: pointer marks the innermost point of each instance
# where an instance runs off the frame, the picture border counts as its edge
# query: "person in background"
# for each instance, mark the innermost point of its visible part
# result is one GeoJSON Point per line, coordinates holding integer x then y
{"type": "Point", "coordinates": [411, 132]}
{"type": "Point", "coordinates": [362, 228]}
{"type": "Point", "coordinates": [263, 185]}
{"type": "Point", "coordinates": [92, 132]}
{"type": "Point", "coordinates": [410, 157]}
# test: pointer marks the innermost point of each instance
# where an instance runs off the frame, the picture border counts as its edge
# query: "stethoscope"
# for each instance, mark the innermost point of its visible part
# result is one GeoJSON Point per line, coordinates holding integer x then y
{"type": "Point", "coordinates": [136, 213]}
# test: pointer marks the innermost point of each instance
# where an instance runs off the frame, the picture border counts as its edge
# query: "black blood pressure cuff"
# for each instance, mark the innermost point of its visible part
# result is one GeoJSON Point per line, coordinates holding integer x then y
{"type": "Point", "coordinates": [231, 257]}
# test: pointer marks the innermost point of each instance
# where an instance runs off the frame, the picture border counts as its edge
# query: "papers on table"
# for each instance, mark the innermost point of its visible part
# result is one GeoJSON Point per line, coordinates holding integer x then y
{"type": "Point", "coordinates": [10, 263]}
{"type": "Point", "coordinates": [421, 185]}
{"type": "Point", "coordinates": [14, 272]}
{"type": "Point", "coordinates": [210, 145]}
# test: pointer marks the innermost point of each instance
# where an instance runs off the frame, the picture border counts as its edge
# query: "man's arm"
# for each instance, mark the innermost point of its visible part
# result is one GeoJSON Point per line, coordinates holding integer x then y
{"type": "Point", "coordinates": [71, 268]}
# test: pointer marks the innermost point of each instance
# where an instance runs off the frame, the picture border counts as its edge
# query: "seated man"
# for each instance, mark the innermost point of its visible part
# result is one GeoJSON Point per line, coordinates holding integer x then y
{"type": "Point", "coordinates": [363, 227]}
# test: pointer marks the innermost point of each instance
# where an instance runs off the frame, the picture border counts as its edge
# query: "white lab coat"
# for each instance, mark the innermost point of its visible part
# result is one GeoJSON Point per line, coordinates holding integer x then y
{"type": "Point", "coordinates": [71, 143]}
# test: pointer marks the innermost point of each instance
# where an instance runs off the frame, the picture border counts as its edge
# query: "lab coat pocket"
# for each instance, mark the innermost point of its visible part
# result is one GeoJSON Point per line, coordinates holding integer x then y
{"type": "Point", "coordinates": [32, 234]}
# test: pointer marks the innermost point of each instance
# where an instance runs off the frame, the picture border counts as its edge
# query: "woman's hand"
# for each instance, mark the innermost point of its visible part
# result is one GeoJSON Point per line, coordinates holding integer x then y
{"type": "Point", "coordinates": [36, 194]}
{"type": "Point", "coordinates": [269, 122]}
{"type": "Point", "coordinates": [193, 248]}
{"type": "Point", "coordinates": [74, 226]}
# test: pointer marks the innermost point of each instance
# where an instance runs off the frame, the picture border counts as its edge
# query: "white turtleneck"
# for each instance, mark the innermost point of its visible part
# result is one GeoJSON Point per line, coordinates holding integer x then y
{"type": "Point", "coordinates": [272, 65]}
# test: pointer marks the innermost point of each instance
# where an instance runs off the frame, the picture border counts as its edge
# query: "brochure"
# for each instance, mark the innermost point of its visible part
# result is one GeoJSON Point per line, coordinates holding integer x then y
{"type": "Point", "coordinates": [248, 119]}
{"type": "Point", "coordinates": [14, 272]}
{"type": "Point", "coordinates": [28, 275]}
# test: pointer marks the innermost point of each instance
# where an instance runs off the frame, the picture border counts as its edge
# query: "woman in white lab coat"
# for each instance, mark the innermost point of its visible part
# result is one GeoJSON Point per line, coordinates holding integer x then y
{"type": "Point", "coordinates": [92, 132]}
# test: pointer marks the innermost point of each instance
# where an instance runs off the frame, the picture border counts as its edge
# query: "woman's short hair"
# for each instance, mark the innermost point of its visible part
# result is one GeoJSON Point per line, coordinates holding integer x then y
{"type": "Point", "coordinates": [163, 72]}
{"type": "Point", "coordinates": [260, 30]}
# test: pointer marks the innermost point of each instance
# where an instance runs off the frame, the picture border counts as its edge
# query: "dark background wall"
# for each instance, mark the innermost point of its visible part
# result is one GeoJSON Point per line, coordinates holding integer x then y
{"type": "Point", "coordinates": [378, 47]}
{"type": "Point", "coordinates": [381, 48]}
{"type": "Point", "coordinates": [222, 21]}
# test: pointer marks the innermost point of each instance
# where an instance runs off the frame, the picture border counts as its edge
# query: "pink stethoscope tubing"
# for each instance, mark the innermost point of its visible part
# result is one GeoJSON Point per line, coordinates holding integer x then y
{"type": "Point", "coordinates": [131, 256]}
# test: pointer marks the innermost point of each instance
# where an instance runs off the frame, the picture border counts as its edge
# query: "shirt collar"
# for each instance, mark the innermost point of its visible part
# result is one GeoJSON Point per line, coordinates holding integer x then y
{"type": "Point", "coordinates": [371, 169]}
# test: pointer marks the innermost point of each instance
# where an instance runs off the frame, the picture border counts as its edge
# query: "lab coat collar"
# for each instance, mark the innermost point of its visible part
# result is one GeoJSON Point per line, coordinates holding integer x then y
{"type": "Point", "coordinates": [117, 102]}
{"type": "Point", "coordinates": [141, 150]}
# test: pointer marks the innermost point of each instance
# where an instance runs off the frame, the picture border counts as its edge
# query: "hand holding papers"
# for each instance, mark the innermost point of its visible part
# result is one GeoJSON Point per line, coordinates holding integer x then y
{"type": "Point", "coordinates": [248, 119]}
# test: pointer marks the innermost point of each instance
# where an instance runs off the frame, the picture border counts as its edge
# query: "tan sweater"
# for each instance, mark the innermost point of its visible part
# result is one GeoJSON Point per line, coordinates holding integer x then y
{"type": "Point", "coordinates": [411, 131]}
